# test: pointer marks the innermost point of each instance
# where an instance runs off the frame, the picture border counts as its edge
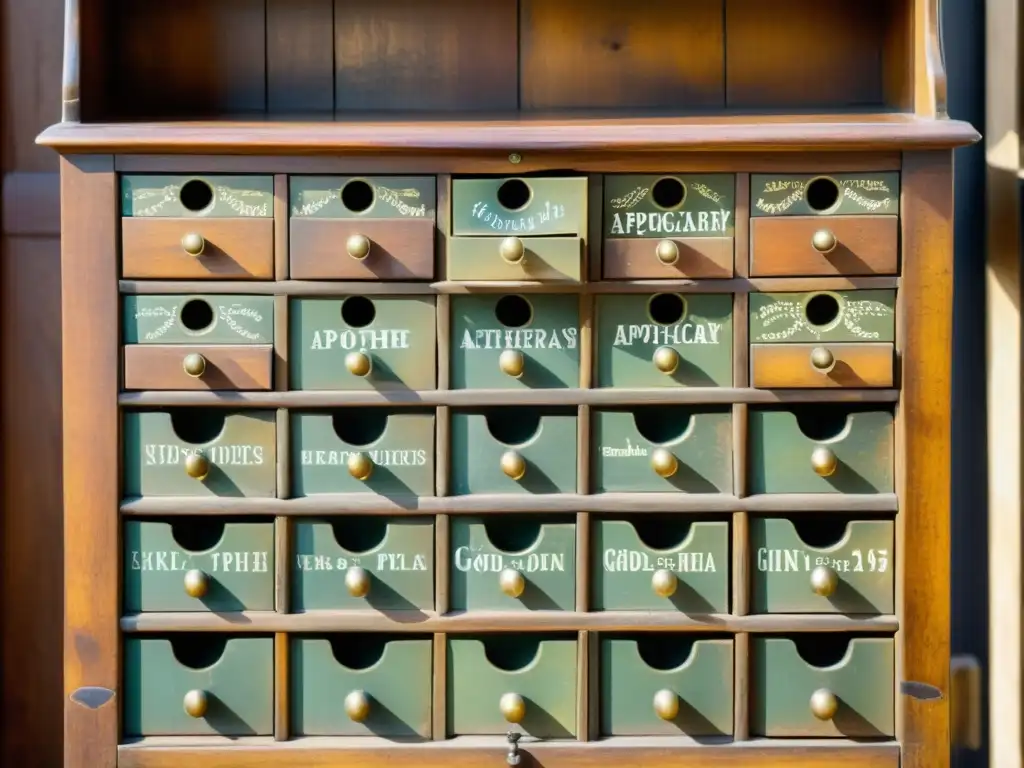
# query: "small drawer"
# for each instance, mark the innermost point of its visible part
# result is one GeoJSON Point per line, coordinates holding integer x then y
{"type": "Point", "coordinates": [363, 343]}
{"type": "Point", "coordinates": [514, 450]}
{"type": "Point", "coordinates": [518, 563]}
{"type": "Point", "coordinates": [379, 228]}
{"type": "Point", "coordinates": [664, 340]}
{"type": "Point", "coordinates": [822, 685]}
{"type": "Point", "coordinates": [363, 450]}
{"type": "Point", "coordinates": [515, 342]}
{"type": "Point", "coordinates": [836, 194]}
{"type": "Point", "coordinates": [497, 681]}
{"type": "Point", "coordinates": [200, 452]}
{"type": "Point", "coordinates": [190, 228]}
{"type": "Point", "coordinates": [548, 259]}
{"type": "Point", "coordinates": [802, 246]}
{"type": "Point", "coordinates": [666, 685]}
{"type": "Point", "coordinates": [663, 449]}
{"type": "Point", "coordinates": [198, 685]}
{"type": "Point", "coordinates": [661, 563]}
{"type": "Point", "coordinates": [825, 564]}
{"type": "Point", "coordinates": [363, 562]}
{"type": "Point", "coordinates": [812, 366]}
{"type": "Point", "coordinates": [534, 206]}
{"type": "Point", "coordinates": [827, 448]}
{"type": "Point", "coordinates": [198, 564]}
{"type": "Point", "coordinates": [668, 226]}
{"type": "Point", "coordinates": [361, 685]}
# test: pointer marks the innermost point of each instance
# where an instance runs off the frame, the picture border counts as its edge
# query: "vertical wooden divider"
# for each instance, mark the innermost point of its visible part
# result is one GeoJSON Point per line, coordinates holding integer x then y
{"type": "Point", "coordinates": [439, 719]}
{"type": "Point", "coordinates": [741, 226]}
{"type": "Point", "coordinates": [594, 241]}
{"type": "Point", "coordinates": [281, 266]}
{"type": "Point", "coordinates": [741, 687]}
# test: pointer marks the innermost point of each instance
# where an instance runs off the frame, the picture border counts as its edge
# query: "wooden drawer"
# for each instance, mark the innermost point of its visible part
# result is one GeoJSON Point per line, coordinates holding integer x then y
{"type": "Point", "coordinates": [664, 684]}
{"type": "Point", "coordinates": [501, 563]}
{"type": "Point", "coordinates": [660, 563]}
{"type": "Point", "coordinates": [361, 685]}
{"type": "Point", "coordinates": [361, 562]}
{"type": "Point", "coordinates": [666, 226]}
{"type": "Point", "coordinates": [834, 194]}
{"type": "Point", "coordinates": [824, 246]}
{"type": "Point", "coordinates": [663, 448]}
{"type": "Point", "coordinates": [549, 259]}
{"type": "Point", "coordinates": [198, 564]}
{"type": "Point", "coordinates": [813, 366]}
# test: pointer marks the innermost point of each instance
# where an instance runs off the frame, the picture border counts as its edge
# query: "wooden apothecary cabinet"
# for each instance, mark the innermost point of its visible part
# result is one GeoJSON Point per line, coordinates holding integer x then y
{"type": "Point", "coordinates": [455, 420]}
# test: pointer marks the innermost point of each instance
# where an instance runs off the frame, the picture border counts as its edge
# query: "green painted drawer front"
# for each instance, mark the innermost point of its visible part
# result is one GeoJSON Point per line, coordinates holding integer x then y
{"type": "Point", "coordinates": [845, 194]}
{"type": "Point", "coordinates": [394, 675]}
{"type": "Point", "coordinates": [236, 559]}
{"type": "Point", "coordinates": [665, 205]}
{"type": "Point", "coordinates": [398, 335]}
{"type": "Point", "coordinates": [628, 553]}
{"type": "Point", "coordinates": [862, 681]}
{"type": "Point", "coordinates": [636, 670]}
{"type": "Point", "coordinates": [551, 206]}
{"type": "Point", "coordinates": [832, 316]}
{"type": "Point", "coordinates": [399, 444]}
{"type": "Point", "coordinates": [212, 197]}
{"type": "Point", "coordinates": [540, 670]}
{"type": "Point", "coordinates": [396, 553]}
{"type": "Point", "coordinates": [543, 329]}
{"type": "Point", "coordinates": [628, 444]}
{"type": "Point", "coordinates": [191, 319]}
{"type": "Point", "coordinates": [487, 551]}
{"type": "Point", "coordinates": [240, 446]}
{"type": "Point", "coordinates": [556, 259]}
{"type": "Point", "coordinates": [697, 327]}
{"type": "Point", "coordinates": [781, 453]}
{"type": "Point", "coordinates": [350, 197]}
{"type": "Point", "coordinates": [543, 438]}
{"type": "Point", "coordinates": [235, 673]}
{"type": "Point", "coordinates": [857, 565]}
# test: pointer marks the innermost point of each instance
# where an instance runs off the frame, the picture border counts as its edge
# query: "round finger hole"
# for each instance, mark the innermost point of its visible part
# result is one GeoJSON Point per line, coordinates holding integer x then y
{"type": "Point", "coordinates": [822, 194]}
{"type": "Point", "coordinates": [514, 194]}
{"type": "Point", "coordinates": [822, 309]}
{"type": "Point", "coordinates": [357, 311]}
{"type": "Point", "coordinates": [513, 311]}
{"type": "Point", "coordinates": [197, 315]}
{"type": "Point", "coordinates": [357, 196]}
{"type": "Point", "coordinates": [666, 308]}
{"type": "Point", "coordinates": [668, 193]}
{"type": "Point", "coordinates": [196, 195]}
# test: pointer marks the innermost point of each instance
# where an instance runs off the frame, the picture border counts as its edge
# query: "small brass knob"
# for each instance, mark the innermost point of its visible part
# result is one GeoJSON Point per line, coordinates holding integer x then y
{"type": "Point", "coordinates": [513, 465]}
{"type": "Point", "coordinates": [668, 252]}
{"type": "Point", "coordinates": [194, 365]}
{"type": "Point", "coordinates": [822, 360]}
{"type": "Point", "coordinates": [824, 461]}
{"type": "Point", "coordinates": [824, 704]}
{"type": "Point", "coordinates": [357, 581]}
{"type": "Point", "coordinates": [666, 360]}
{"type": "Point", "coordinates": [512, 707]}
{"type": "Point", "coordinates": [358, 363]}
{"type": "Point", "coordinates": [823, 241]}
{"type": "Point", "coordinates": [193, 244]}
{"type": "Point", "coordinates": [512, 362]}
{"type": "Point", "coordinates": [197, 466]}
{"type": "Point", "coordinates": [666, 704]}
{"type": "Point", "coordinates": [196, 703]}
{"type": "Point", "coordinates": [360, 466]}
{"type": "Point", "coordinates": [357, 706]}
{"type": "Point", "coordinates": [824, 581]}
{"type": "Point", "coordinates": [512, 582]}
{"type": "Point", "coordinates": [512, 250]}
{"type": "Point", "coordinates": [664, 583]}
{"type": "Point", "coordinates": [664, 463]}
{"type": "Point", "coordinates": [358, 246]}
{"type": "Point", "coordinates": [197, 583]}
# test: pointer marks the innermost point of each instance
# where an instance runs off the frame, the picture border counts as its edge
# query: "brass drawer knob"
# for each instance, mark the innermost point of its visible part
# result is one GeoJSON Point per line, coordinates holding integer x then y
{"type": "Point", "coordinates": [197, 466]}
{"type": "Point", "coordinates": [513, 465]}
{"type": "Point", "coordinates": [512, 362]}
{"type": "Point", "coordinates": [194, 365]}
{"type": "Point", "coordinates": [357, 581]}
{"type": "Point", "coordinates": [512, 707]}
{"type": "Point", "coordinates": [196, 703]}
{"type": "Point", "coordinates": [824, 461]}
{"type": "Point", "coordinates": [358, 363]}
{"type": "Point", "coordinates": [357, 706]}
{"type": "Point", "coordinates": [663, 462]}
{"type": "Point", "coordinates": [667, 252]}
{"type": "Point", "coordinates": [197, 583]}
{"type": "Point", "coordinates": [664, 583]}
{"type": "Point", "coordinates": [512, 582]}
{"type": "Point", "coordinates": [824, 704]}
{"type": "Point", "coordinates": [193, 244]}
{"type": "Point", "coordinates": [360, 466]}
{"type": "Point", "coordinates": [824, 581]}
{"type": "Point", "coordinates": [666, 360]}
{"type": "Point", "coordinates": [666, 704]}
{"type": "Point", "coordinates": [823, 241]}
{"type": "Point", "coordinates": [822, 359]}
{"type": "Point", "coordinates": [512, 250]}
{"type": "Point", "coordinates": [358, 247]}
